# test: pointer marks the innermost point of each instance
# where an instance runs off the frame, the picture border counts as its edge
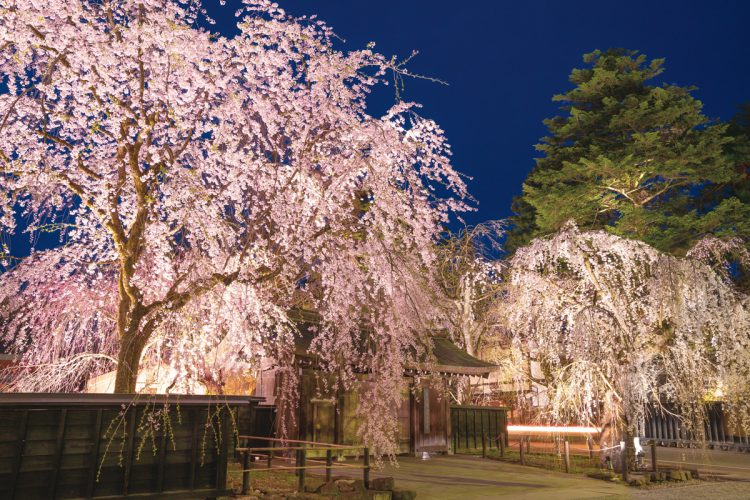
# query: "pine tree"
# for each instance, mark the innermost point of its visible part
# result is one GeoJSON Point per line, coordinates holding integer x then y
{"type": "Point", "coordinates": [638, 159]}
{"type": "Point", "coordinates": [739, 152]}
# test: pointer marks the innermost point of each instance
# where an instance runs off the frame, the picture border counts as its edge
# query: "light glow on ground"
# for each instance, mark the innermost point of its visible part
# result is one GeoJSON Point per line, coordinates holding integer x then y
{"type": "Point", "coordinates": [551, 429]}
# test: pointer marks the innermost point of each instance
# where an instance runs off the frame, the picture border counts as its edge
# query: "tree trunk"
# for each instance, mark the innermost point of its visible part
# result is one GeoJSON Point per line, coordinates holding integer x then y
{"type": "Point", "coordinates": [128, 361]}
{"type": "Point", "coordinates": [464, 391]}
{"type": "Point", "coordinates": [610, 439]}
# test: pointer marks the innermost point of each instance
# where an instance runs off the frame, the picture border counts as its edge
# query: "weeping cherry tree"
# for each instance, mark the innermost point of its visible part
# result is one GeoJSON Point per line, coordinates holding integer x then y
{"type": "Point", "coordinates": [200, 186]}
{"type": "Point", "coordinates": [611, 328]}
{"type": "Point", "coordinates": [469, 282]}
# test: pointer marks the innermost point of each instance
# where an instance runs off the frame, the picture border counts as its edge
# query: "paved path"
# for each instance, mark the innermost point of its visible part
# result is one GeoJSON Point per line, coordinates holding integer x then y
{"type": "Point", "coordinates": [467, 478]}
{"type": "Point", "coordinates": [726, 464]}
{"type": "Point", "coordinates": [730, 490]}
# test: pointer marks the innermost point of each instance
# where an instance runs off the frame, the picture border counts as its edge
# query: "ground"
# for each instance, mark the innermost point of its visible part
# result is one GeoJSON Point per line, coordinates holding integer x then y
{"type": "Point", "coordinates": [725, 464]}
{"type": "Point", "coordinates": [468, 477]}
{"type": "Point", "coordinates": [465, 477]}
{"type": "Point", "coordinates": [730, 490]}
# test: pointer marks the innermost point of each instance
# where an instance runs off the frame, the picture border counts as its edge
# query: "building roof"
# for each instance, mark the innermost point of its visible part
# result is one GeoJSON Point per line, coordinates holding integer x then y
{"type": "Point", "coordinates": [447, 357]}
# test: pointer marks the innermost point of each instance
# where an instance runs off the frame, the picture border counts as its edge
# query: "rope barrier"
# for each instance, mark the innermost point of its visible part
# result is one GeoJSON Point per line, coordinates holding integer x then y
{"type": "Point", "coordinates": [617, 446]}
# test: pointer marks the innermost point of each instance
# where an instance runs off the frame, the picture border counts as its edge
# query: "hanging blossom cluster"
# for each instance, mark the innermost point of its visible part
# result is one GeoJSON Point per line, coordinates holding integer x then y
{"type": "Point", "coordinates": [611, 328]}
{"type": "Point", "coordinates": [468, 276]}
{"type": "Point", "coordinates": [203, 185]}
{"type": "Point", "coordinates": [723, 254]}
{"type": "Point", "coordinates": [469, 282]}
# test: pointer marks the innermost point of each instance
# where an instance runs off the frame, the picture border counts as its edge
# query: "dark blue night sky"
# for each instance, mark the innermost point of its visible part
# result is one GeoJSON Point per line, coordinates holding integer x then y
{"type": "Point", "coordinates": [505, 60]}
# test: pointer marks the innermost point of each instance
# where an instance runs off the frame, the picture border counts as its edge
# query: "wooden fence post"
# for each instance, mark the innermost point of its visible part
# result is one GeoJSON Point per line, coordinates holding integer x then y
{"type": "Point", "coordinates": [501, 442]}
{"type": "Point", "coordinates": [653, 455]}
{"type": "Point", "coordinates": [366, 470]}
{"type": "Point", "coordinates": [270, 455]}
{"type": "Point", "coordinates": [302, 458]}
{"type": "Point", "coordinates": [94, 455]}
{"type": "Point", "coordinates": [590, 443]}
{"type": "Point", "coordinates": [246, 472]}
{"type": "Point", "coordinates": [224, 436]}
{"type": "Point", "coordinates": [484, 445]}
{"type": "Point", "coordinates": [59, 451]}
{"type": "Point", "coordinates": [129, 448]}
{"type": "Point", "coordinates": [528, 444]}
{"type": "Point", "coordinates": [194, 447]}
{"type": "Point", "coordinates": [521, 451]}
{"type": "Point", "coordinates": [624, 459]}
{"type": "Point", "coordinates": [329, 463]}
{"type": "Point", "coordinates": [567, 456]}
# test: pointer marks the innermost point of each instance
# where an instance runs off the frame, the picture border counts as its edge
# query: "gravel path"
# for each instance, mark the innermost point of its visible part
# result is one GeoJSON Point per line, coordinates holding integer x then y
{"type": "Point", "coordinates": [724, 490]}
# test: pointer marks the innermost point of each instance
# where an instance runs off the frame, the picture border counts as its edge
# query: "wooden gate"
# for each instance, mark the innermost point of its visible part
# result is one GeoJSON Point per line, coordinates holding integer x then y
{"type": "Point", "coordinates": [263, 424]}
{"type": "Point", "coordinates": [115, 446]}
{"type": "Point", "coordinates": [470, 423]}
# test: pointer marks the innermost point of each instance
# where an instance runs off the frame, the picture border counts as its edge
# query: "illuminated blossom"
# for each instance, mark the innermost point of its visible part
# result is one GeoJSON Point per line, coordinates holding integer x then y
{"type": "Point", "coordinates": [202, 186]}
{"type": "Point", "coordinates": [608, 327]}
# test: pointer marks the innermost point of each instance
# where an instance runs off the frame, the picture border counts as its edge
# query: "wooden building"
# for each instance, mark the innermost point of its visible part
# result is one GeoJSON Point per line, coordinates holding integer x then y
{"type": "Point", "coordinates": [424, 414]}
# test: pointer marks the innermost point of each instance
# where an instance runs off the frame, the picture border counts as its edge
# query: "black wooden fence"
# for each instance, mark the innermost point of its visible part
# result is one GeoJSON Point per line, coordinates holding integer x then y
{"type": "Point", "coordinates": [667, 430]}
{"type": "Point", "coordinates": [115, 446]}
{"type": "Point", "coordinates": [470, 424]}
{"type": "Point", "coordinates": [264, 424]}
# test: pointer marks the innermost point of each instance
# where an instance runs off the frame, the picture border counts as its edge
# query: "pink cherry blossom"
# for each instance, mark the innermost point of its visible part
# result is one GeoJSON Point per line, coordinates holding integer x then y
{"type": "Point", "coordinates": [606, 329]}
{"type": "Point", "coordinates": [203, 186]}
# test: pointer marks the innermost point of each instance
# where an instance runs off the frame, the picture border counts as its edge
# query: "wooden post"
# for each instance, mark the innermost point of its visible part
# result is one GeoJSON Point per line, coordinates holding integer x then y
{"type": "Point", "coordinates": [367, 469]}
{"type": "Point", "coordinates": [590, 443]}
{"type": "Point", "coordinates": [224, 436]}
{"type": "Point", "coordinates": [194, 448]}
{"type": "Point", "coordinates": [302, 458]}
{"type": "Point", "coordinates": [466, 427]}
{"type": "Point", "coordinates": [246, 472]}
{"type": "Point", "coordinates": [501, 443]}
{"type": "Point", "coordinates": [653, 455]}
{"type": "Point", "coordinates": [58, 452]}
{"type": "Point", "coordinates": [454, 425]}
{"type": "Point", "coordinates": [162, 461]}
{"type": "Point", "coordinates": [448, 424]}
{"type": "Point", "coordinates": [528, 444]}
{"type": "Point", "coordinates": [129, 450]}
{"type": "Point", "coordinates": [194, 459]}
{"type": "Point", "coordinates": [270, 456]}
{"type": "Point", "coordinates": [20, 444]}
{"type": "Point", "coordinates": [567, 456]}
{"type": "Point", "coordinates": [483, 431]}
{"type": "Point", "coordinates": [94, 456]}
{"type": "Point", "coordinates": [329, 463]}
{"type": "Point", "coordinates": [521, 451]}
{"type": "Point", "coordinates": [624, 459]}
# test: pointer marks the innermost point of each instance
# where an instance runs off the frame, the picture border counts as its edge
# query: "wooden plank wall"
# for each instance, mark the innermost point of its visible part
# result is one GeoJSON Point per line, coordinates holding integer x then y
{"type": "Point", "coordinates": [55, 451]}
{"type": "Point", "coordinates": [431, 428]}
{"type": "Point", "coordinates": [470, 423]}
{"type": "Point", "coordinates": [668, 428]}
{"type": "Point", "coordinates": [263, 425]}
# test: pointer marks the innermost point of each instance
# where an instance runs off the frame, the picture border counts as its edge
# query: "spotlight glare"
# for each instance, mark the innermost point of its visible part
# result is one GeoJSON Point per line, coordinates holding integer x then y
{"type": "Point", "coordinates": [551, 429]}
